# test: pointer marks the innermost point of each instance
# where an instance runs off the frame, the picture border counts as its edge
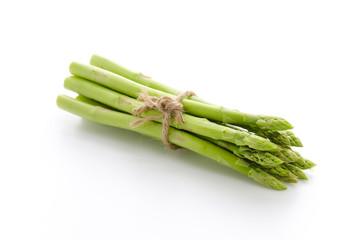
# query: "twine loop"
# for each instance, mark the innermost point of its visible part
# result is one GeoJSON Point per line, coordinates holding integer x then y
{"type": "Point", "coordinates": [170, 107]}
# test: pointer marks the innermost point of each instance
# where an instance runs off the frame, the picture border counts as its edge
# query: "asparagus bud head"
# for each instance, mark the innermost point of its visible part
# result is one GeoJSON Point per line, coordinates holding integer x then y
{"type": "Point", "coordinates": [273, 123]}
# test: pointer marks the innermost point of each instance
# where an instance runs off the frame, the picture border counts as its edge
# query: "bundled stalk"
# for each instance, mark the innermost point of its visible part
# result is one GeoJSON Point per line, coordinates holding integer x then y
{"type": "Point", "coordinates": [255, 145]}
{"type": "Point", "coordinates": [196, 108]}
{"type": "Point", "coordinates": [113, 118]}
{"type": "Point", "coordinates": [191, 123]}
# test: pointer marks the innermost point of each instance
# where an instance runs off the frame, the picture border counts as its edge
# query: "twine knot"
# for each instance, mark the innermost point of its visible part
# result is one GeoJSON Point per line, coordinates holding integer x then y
{"type": "Point", "coordinates": [170, 107]}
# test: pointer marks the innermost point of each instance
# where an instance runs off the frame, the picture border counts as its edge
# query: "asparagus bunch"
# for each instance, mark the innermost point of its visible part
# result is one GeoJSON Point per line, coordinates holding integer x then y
{"type": "Point", "coordinates": [258, 146]}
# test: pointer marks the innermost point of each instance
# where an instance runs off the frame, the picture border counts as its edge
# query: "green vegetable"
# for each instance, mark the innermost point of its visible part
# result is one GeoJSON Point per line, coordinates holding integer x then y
{"type": "Point", "coordinates": [212, 112]}
{"type": "Point", "coordinates": [268, 162]}
{"type": "Point", "coordinates": [180, 138]}
{"type": "Point", "coordinates": [304, 164]}
{"type": "Point", "coordinates": [287, 155]}
{"type": "Point", "coordinates": [262, 158]}
{"type": "Point", "coordinates": [287, 179]}
{"type": "Point", "coordinates": [255, 145]}
{"type": "Point", "coordinates": [282, 173]}
{"type": "Point", "coordinates": [282, 138]}
{"type": "Point", "coordinates": [294, 141]}
{"type": "Point", "coordinates": [140, 78]}
{"type": "Point", "coordinates": [193, 124]}
{"type": "Point", "coordinates": [296, 171]}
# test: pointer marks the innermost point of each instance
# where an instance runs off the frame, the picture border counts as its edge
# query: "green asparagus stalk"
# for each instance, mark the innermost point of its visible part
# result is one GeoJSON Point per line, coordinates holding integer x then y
{"type": "Point", "coordinates": [274, 136]}
{"type": "Point", "coordinates": [296, 171]}
{"type": "Point", "coordinates": [140, 78]}
{"type": "Point", "coordinates": [262, 158]}
{"type": "Point", "coordinates": [122, 120]}
{"type": "Point", "coordinates": [282, 138]}
{"type": "Point", "coordinates": [267, 162]}
{"type": "Point", "coordinates": [287, 179]}
{"type": "Point", "coordinates": [93, 102]}
{"type": "Point", "coordinates": [272, 165]}
{"type": "Point", "coordinates": [304, 164]}
{"type": "Point", "coordinates": [199, 109]}
{"type": "Point", "coordinates": [285, 138]}
{"type": "Point", "coordinates": [294, 141]}
{"type": "Point", "coordinates": [280, 170]}
{"type": "Point", "coordinates": [285, 152]}
{"type": "Point", "coordinates": [287, 155]}
{"type": "Point", "coordinates": [282, 173]}
{"type": "Point", "coordinates": [266, 179]}
{"type": "Point", "coordinates": [193, 124]}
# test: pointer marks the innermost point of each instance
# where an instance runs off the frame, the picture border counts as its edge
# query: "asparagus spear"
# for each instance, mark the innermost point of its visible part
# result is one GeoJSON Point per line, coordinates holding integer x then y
{"type": "Point", "coordinates": [269, 163]}
{"type": "Point", "coordinates": [262, 158]}
{"type": "Point", "coordinates": [122, 120]}
{"type": "Point", "coordinates": [287, 179]}
{"type": "Point", "coordinates": [211, 112]}
{"type": "Point", "coordinates": [282, 173]}
{"type": "Point", "coordinates": [304, 164]}
{"type": "Point", "coordinates": [282, 138]}
{"type": "Point", "coordinates": [277, 170]}
{"type": "Point", "coordinates": [274, 136]}
{"type": "Point", "coordinates": [285, 152]}
{"type": "Point", "coordinates": [287, 155]}
{"type": "Point", "coordinates": [192, 124]}
{"type": "Point", "coordinates": [296, 171]}
{"type": "Point", "coordinates": [294, 141]}
{"type": "Point", "coordinates": [280, 170]}
{"type": "Point", "coordinates": [140, 78]}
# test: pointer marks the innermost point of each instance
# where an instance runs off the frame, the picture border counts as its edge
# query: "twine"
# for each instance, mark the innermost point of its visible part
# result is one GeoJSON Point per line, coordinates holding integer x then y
{"type": "Point", "coordinates": [170, 107]}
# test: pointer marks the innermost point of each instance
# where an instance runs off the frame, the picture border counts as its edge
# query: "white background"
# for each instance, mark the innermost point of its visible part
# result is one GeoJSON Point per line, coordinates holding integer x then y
{"type": "Point", "coordinates": [66, 178]}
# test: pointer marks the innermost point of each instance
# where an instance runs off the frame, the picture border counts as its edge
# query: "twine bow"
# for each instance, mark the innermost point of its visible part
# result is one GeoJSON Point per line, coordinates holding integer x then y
{"type": "Point", "coordinates": [168, 106]}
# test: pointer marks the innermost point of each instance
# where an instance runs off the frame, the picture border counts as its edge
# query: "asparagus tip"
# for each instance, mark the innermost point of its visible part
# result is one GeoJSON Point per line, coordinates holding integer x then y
{"type": "Point", "coordinates": [260, 143]}
{"type": "Point", "coordinates": [273, 123]}
{"type": "Point", "coordinates": [266, 179]}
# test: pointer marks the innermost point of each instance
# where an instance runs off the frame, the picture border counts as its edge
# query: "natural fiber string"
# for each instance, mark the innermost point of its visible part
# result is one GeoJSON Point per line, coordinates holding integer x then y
{"type": "Point", "coordinates": [168, 106]}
